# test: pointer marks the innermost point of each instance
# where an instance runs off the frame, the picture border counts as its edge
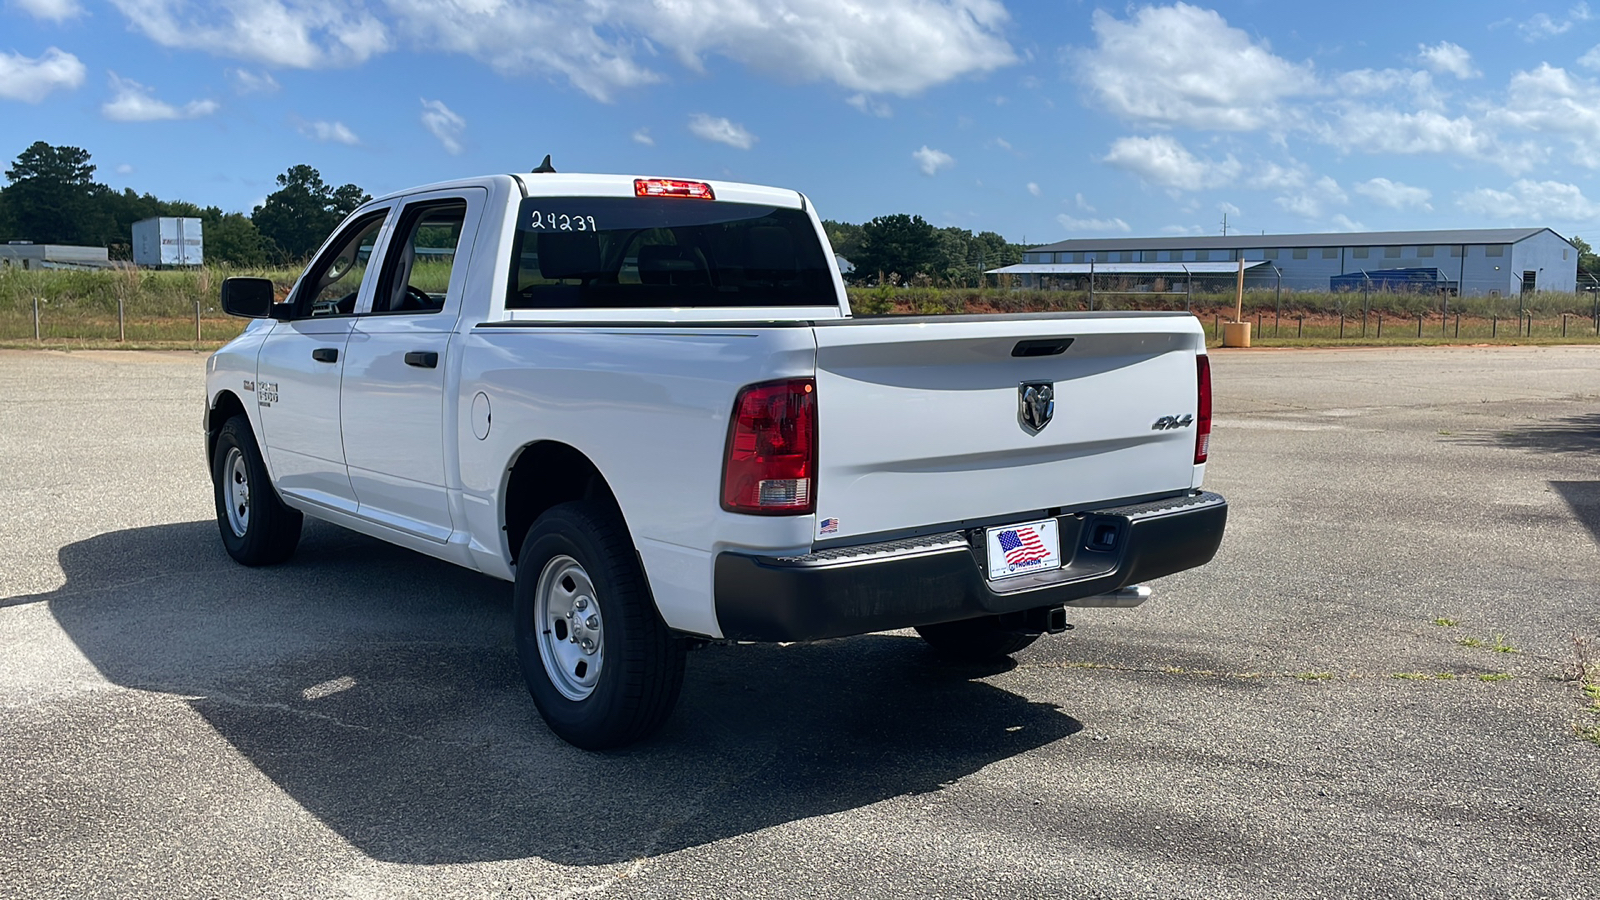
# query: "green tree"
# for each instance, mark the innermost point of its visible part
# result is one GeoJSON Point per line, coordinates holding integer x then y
{"type": "Point", "coordinates": [303, 211]}
{"type": "Point", "coordinates": [233, 239]}
{"type": "Point", "coordinates": [1587, 260]}
{"type": "Point", "coordinates": [845, 238]}
{"type": "Point", "coordinates": [898, 243]}
{"type": "Point", "coordinates": [51, 197]}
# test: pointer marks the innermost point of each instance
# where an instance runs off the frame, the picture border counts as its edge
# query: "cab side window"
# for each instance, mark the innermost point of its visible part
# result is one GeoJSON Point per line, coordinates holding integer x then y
{"type": "Point", "coordinates": [422, 254]}
{"type": "Point", "coordinates": [334, 282]}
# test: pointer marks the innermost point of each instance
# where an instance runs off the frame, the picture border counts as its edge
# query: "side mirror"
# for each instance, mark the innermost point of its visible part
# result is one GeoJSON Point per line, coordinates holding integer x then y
{"type": "Point", "coordinates": [249, 298]}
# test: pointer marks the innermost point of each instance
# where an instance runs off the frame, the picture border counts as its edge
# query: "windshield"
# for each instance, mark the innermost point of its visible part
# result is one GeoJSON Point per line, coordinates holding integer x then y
{"type": "Point", "coordinates": [617, 252]}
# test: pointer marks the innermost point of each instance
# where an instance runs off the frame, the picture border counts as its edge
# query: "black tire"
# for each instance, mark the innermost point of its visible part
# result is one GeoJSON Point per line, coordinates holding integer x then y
{"type": "Point", "coordinates": [580, 557]}
{"type": "Point", "coordinates": [974, 640]}
{"type": "Point", "coordinates": [262, 531]}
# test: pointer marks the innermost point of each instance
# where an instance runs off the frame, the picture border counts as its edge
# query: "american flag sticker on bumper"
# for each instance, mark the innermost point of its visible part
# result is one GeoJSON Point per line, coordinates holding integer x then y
{"type": "Point", "coordinates": [1023, 549]}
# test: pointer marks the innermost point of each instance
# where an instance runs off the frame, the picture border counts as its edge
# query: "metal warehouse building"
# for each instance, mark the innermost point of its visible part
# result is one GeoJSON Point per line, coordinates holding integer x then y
{"type": "Point", "coordinates": [1496, 261]}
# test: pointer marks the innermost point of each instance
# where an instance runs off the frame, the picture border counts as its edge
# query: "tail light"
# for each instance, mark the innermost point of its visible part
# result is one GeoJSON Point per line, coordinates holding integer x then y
{"type": "Point", "coordinates": [771, 466]}
{"type": "Point", "coordinates": [671, 187]}
{"type": "Point", "coordinates": [1202, 434]}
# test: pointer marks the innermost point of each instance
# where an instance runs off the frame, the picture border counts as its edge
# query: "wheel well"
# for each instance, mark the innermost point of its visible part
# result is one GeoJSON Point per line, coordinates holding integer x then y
{"type": "Point", "coordinates": [545, 474]}
{"type": "Point", "coordinates": [227, 406]}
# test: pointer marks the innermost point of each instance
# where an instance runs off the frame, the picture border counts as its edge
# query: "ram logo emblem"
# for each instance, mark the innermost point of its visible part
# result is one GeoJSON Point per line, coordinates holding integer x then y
{"type": "Point", "coordinates": [1036, 404]}
{"type": "Point", "coordinates": [1167, 423]}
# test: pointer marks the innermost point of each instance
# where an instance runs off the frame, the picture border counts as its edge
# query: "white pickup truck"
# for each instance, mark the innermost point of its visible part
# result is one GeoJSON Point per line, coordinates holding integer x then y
{"type": "Point", "coordinates": [646, 403]}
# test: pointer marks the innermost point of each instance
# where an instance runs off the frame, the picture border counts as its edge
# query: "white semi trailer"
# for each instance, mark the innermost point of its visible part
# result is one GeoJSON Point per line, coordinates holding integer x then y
{"type": "Point", "coordinates": [168, 241]}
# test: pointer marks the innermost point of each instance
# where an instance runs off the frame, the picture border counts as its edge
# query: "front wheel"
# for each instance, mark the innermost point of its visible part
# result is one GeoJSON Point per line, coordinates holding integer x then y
{"type": "Point", "coordinates": [974, 640]}
{"type": "Point", "coordinates": [602, 667]}
{"type": "Point", "coordinates": [257, 528]}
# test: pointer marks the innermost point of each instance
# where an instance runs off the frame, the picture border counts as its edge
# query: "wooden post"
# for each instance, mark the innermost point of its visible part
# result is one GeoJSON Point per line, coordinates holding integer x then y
{"type": "Point", "coordinates": [1238, 301]}
{"type": "Point", "coordinates": [1237, 333]}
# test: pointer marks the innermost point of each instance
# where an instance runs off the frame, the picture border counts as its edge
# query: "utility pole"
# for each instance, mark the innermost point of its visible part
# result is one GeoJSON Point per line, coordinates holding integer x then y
{"type": "Point", "coordinates": [1224, 224]}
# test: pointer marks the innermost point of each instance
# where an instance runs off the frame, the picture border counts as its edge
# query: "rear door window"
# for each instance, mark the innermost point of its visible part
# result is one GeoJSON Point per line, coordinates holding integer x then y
{"type": "Point", "coordinates": [619, 252]}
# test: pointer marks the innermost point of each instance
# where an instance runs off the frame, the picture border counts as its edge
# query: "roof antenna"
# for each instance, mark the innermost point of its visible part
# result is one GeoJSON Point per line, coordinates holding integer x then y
{"type": "Point", "coordinates": [545, 168]}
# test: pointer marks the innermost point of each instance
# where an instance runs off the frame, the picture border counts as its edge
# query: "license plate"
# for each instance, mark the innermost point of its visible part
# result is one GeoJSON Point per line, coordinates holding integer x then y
{"type": "Point", "coordinates": [1023, 549]}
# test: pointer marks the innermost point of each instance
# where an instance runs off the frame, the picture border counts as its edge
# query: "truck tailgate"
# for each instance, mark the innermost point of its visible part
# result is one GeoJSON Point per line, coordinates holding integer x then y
{"type": "Point", "coordinates": [919, 422]}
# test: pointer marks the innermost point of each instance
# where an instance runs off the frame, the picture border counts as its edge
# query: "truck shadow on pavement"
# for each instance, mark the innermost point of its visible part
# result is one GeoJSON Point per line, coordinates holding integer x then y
{"type": "Point", "coordinates": [379, 690]}
{"type": "Point", "coordinates": [1570, 434]}
{"type": "Point", "coordinates": [1584, 498]}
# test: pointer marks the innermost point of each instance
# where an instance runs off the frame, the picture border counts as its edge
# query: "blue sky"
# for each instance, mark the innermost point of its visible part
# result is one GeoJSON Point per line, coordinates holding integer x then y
{"type": "Point", "coordinates": [1039, 120]}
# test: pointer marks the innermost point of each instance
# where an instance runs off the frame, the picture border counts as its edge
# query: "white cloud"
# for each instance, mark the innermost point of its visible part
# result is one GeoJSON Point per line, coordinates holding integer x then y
{"type": "Point", "coordinates": [1002, 143]}
{"type": "Point", "coordinates": [870, 105]}
{"type": "Point", "coordinates": [1311, 202]}
{"type": "Point", "coordinates": [1163, 161]}
{"type": "Point", "coordinates": [248, 82]}
{"type": "Point", "coordinates": [133, 102]}
{"type": "Point", "coordinates": [1182, 65]}
{"type": "Point", "coordinates": [886, 47]}
{"type": "Point", "coordinates": [336, 132]}
{"type": "Point", "coordinates": [721, 130]}
{"type": "Point", "coordinates": [443, 123]}
{"type": "Point", "coordinates": [1081, 203]}
{"type": "Point", "coordinates": [1273, 177]}
{"type": "Point", "coordinates": [930, 161]}
{"type": "Point", "coordinates": [1530, 202]}
{"type": "Point", "coordinates": [1590, 60]}
{"type": "Point", "coordinates": [1390, 131]}
{"type": "Point", "coordinates": [642, 136]}
{"type": "Point", "coordinates": [303, 34]}
{"type": "Point", "coordinates": [1342, 222]}
{"type": "Point", "coordinates": [1183, 230]}
{"type": "Point", "coordinates": [1447, 57]}
{"type": "Point", "coordinates": [124, 169]}
{"type": "Point", "coordinates": [1099, 225]}
{"type": "Point", "coordinates": [50, 10]}
{"type": "Point", "coordinates": [1394, 194]}
{"type": "Point", "coordinates": [31, 79]}
{"type": "Point", "coordinates": [1543, 26]}
{"type": "Point", "coordinates": [1033, 188]}
{"type": "Point", "coordinates": [1227, 209]}
{"type": "Point", "coordinates": [1550, 101]}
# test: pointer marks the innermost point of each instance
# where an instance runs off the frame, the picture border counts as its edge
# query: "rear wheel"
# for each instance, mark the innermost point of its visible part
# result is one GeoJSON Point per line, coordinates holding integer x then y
{"type": "Point", "coordinates": [257, 528]}
{"type": "Point", "coordinates": [602, 667]}
{"type": "Point", "coordinates": [974, 640]}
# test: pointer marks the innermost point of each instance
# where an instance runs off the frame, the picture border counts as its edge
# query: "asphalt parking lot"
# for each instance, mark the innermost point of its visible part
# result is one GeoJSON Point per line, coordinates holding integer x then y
{"type": "Point", "coordinates": [1289, 721]}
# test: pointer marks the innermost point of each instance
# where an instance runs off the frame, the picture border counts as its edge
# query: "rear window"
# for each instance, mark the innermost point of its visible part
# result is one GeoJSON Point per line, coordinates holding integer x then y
{"type": "Point", "coordinates": [578, 252]}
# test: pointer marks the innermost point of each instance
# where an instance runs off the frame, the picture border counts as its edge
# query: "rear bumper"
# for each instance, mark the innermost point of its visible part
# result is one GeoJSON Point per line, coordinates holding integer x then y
{"type": "Point", "coordinates": [940, 578]}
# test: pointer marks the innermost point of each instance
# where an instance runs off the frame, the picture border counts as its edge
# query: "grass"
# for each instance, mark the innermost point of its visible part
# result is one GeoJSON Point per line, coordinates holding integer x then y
{"type": "Point", "coordinates": [1442, 622]}
{"type": "Point", "coordinates": [159, 307]}
{"type": "Point", "coordinates": [1496, 676]}
{"type": "Point", "coordinates": [1470, 642]}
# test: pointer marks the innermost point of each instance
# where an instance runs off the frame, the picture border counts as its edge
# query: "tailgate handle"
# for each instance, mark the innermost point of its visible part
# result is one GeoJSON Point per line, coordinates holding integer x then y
{"type": "Point", "coordinates": [1042, 347]}
{"type": "Point", "coordinates": [422, 359]}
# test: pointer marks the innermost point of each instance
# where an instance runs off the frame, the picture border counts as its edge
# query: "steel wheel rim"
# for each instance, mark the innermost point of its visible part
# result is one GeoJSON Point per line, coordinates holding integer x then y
{"type": "Point", "coordinates": [236, 493]}
{"type": "Point", "coordinates": [571, 631]}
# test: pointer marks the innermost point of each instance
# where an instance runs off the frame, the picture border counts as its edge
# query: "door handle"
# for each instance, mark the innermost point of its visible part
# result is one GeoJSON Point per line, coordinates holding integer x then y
{"type": "Point", "coordinates": [422, 359]}
{"type": "Point", "coordinates": [325, 354]}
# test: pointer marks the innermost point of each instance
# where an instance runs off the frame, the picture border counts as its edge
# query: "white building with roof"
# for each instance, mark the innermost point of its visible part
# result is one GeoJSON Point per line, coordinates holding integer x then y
{"type": "Point", "coordinates": [1495, 261]}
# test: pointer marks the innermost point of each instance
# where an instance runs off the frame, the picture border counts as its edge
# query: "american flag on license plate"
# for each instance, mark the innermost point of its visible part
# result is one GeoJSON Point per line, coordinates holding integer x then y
{"type": "Point", "coordinates": [1022, 546]}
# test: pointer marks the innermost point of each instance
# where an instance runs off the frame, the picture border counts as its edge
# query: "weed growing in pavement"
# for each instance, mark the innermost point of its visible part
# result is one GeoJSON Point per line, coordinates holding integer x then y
{"type": "Point", "coordinates": [1496, 676]}
{"type": "Point", "coordinates": [1411, 676]}
{"type": "Point", "coordinates": [1470, 642]}
{"type": "Point", "coordinates": [1446, 676]}
{"type": "Point", "coordinates": [1313, 676]}
{"type": "Point", "coordinates": [1585, 669]}
{"type": "Point", "coordinates": [1501, 645]}
{"type": "Point", "coordinates": [1442, 622]}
